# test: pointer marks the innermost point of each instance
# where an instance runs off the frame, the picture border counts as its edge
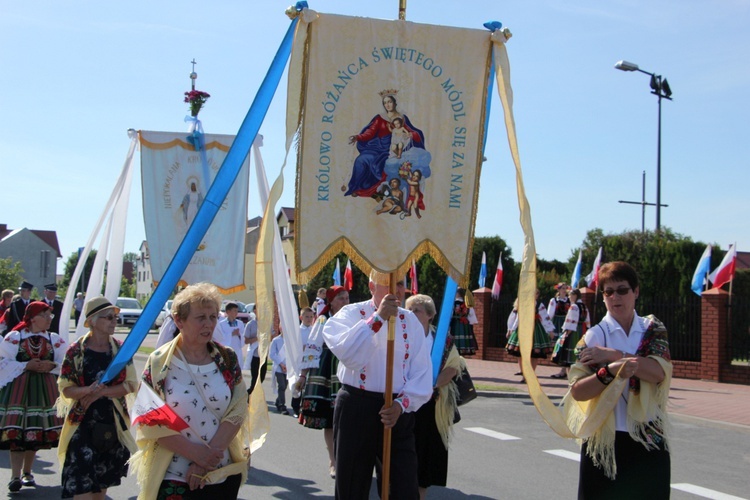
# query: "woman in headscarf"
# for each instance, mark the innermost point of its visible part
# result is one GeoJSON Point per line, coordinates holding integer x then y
{"type": "Point", "coordinates": [319, 375]}
{"type": "Point", "coordinates": [201, 452]}
{"type": "Point", "coordinates": [96, 443]}
{"type": "Point", "coordinates": [30, 357]}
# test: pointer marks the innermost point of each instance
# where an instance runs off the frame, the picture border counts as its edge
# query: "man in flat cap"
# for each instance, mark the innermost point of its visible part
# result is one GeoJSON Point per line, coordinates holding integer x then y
{"type": "Point", "coordinates": [18, 307]}
{"type": "Point", "coordinates": [50, 298]}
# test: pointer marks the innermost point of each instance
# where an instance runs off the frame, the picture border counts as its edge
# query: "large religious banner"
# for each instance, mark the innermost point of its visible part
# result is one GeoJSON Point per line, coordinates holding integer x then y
{"type": "Point", "coordinates": [174, 186]}
{"type": "Point", "coordinates": [392, 124]}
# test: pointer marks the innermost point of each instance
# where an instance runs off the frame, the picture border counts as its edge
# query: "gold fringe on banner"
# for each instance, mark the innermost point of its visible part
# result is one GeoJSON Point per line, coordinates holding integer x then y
{"type": "Point", "coordinates": [343, 245]}
{"type": "Point", "coordinates": [180, 143]}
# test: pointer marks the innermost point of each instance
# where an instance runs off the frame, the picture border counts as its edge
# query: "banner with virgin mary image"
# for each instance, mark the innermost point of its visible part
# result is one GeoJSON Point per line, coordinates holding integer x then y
{"type": "Point", "coordinates": [392, 124]}
{"type": "Point", "coordinates": [174, 186]}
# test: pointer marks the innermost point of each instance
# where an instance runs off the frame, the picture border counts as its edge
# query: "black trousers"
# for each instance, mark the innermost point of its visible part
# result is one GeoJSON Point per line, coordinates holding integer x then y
{"type": "Point", "coordinates": [254, 369]}
{"type": "Point", "coordinates": [358, 445]}
{"type": "Point", "coordinates": [641, 474]}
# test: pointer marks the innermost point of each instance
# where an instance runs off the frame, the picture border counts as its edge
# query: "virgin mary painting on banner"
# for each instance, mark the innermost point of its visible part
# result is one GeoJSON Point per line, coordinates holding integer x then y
{"type": "Point", "coordinates": [391, 141]}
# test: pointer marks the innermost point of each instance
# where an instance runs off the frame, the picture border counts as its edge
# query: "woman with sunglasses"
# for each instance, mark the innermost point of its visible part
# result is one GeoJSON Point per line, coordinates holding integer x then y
{"type": "Point", "coordinates": [618, 397]}
{"type": "Point", "coordinates": [96, 443]}
{"type": "Point", "coordinates": [30, 359]}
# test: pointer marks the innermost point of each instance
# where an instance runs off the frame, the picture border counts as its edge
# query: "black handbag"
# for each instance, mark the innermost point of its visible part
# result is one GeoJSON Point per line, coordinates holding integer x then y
{"type": "Point", "coordinates": [103, 436]}
{"type": "Point", "coordinates": [465, 386]}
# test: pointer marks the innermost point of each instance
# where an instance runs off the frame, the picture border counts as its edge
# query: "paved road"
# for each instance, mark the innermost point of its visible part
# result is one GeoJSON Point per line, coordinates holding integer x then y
{"type": "Point", "coordinates": [501, 449]}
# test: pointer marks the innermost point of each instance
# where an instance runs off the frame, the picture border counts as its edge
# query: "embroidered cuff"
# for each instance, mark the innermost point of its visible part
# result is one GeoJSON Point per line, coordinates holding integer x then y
{"type": "Point", "coordinates": [375, 323]}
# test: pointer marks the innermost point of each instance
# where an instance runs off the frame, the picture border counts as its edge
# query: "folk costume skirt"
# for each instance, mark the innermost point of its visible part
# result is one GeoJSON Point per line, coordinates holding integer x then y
{"type": "Point", "coordinates": [542, 344]}
{"type": "Point", "coordinates": [321, 388]}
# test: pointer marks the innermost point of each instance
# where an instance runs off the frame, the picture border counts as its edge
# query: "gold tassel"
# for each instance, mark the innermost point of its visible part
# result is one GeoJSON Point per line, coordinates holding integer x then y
{"type": "Point", "coordinates": [302, 298]}
{"type": "Point", "coordinates": [469, 299]}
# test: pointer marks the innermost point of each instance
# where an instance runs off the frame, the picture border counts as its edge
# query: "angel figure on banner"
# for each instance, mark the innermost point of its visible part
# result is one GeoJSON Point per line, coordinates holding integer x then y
{"type": "Point", "coordinates": [385, 144]}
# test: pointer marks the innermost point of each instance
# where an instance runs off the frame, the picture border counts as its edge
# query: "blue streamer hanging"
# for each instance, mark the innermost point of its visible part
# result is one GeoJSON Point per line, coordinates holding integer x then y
{"type": "Point", "coordinates": [225, 177]}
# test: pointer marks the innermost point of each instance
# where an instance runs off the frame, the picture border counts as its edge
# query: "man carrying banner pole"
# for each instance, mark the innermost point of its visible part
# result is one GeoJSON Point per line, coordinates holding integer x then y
{"type": "Point", "coordinates": [362, 412]}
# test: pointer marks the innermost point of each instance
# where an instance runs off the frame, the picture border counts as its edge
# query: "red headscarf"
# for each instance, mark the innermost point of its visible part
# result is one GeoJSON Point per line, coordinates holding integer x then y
{"type": "Point", "coordinates": [32, 310]}
{"type": "Point", "coordinates": [331, 294]}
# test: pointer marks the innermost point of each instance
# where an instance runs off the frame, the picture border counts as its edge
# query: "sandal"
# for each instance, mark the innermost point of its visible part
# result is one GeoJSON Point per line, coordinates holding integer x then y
{"type": "Point", "coordinates": [15, 485]}
{"type": "Point", "coordinates": [559, 375]}
{"type": "Point", "coordinates": [518, 373]}
{"type": "Point", "coordinates": [28, 479]}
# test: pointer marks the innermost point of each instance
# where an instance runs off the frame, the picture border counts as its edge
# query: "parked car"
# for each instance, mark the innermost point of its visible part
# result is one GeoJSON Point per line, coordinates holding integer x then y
{"type": "Point", "coordinates": [241, 315]}
{"type": "Point", "coordinates": [163, 314]}
{"type": "Point", "coordinates": [130, 310]}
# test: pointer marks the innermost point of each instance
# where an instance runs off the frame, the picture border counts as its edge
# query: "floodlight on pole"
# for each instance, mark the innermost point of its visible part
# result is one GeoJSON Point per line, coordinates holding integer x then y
{"type": "Point", "coordinates": [660, 88]}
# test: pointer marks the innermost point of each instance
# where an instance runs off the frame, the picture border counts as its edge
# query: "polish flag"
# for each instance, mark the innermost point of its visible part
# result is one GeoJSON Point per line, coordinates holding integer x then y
{"type": "Point", "coordinates": [593, 277]}
{"type": "Point", "coordinates": [498, 283]}
{"type": "Point", "coordinates": [725, 272]}
{"type": "Point", "coordinates": [149, 409]}
{"type": "Point", "coordinates": [413, 278]}
{"type": "Point", "coordinates": [348, 276]}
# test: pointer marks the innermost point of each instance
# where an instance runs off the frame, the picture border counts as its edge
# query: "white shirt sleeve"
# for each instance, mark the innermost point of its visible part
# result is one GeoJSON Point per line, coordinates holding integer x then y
{"type": "Point", "coordinates": [60, 347]}
{"type": "Point", "coordinates": [571, 319]}
{"type": "Point", "coordinates": [545, 319]}
{"type": "Point", "coordinates": [350, 338]}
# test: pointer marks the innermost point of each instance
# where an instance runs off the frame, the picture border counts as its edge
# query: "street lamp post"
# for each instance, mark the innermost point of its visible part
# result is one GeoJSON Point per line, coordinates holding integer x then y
{"type": "Point", "coordinates": [660, 88]}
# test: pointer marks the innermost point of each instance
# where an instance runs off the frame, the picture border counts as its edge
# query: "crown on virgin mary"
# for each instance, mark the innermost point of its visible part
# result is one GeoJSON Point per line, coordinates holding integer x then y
{"type": "Point", "coordinates": [390, 92]}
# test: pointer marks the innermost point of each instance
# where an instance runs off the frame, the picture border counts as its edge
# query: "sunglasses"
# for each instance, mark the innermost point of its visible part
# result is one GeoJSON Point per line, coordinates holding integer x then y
{"type": "Point", "coordinates": [623, 290]}
{"type": "Point", "coordinates": [109, 317]}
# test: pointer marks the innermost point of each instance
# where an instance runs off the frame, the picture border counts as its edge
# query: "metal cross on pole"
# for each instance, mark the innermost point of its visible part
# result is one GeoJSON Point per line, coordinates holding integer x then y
{"type": "Point", "coordinates": [642, 203]}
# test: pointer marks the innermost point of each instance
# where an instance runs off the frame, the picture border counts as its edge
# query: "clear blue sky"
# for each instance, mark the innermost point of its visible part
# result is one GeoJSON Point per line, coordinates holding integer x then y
{"type": "Point", "coordinates": [76, 75]}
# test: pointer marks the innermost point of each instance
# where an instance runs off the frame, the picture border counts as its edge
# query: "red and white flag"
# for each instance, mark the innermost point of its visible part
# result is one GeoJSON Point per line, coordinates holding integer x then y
{"type": "Point", "coordinates": [593, 277]}
{"type": "Point", "coordinates": [413, 278]}
{"type": "Point", "coordinates": [149, 409]}
{"type": "Point", "coordinates": [498, 283]}
{"type": "Point", "coordinates": [725, 272]}
{"type": "Point", "coordinates": [348, 276]}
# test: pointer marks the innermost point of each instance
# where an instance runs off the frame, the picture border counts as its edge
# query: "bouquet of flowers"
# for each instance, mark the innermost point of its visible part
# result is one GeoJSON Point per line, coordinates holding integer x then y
{"type": "Point", "coordinates": [196, 99]}
{"type": "Point", "coordinates": [404, 171]}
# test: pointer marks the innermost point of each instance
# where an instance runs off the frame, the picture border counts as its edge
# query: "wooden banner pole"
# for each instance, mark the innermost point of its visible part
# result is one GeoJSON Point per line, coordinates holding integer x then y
{"type": "Point", "coordinates": [388, 394]}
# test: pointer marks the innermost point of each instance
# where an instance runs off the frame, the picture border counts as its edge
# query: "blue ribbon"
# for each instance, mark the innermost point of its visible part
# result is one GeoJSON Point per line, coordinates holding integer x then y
{"type": "Point", "coordinates": [449, 295]}
{"type": "Point", "coordinates": [218, 191]}
{"type": "Point", "coordinates": [493, 26]}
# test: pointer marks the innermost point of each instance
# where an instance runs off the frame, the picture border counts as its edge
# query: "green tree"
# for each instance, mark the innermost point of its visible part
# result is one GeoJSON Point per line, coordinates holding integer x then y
{"type": "Point", "coordinates": [70, 266]}
{"type": "Point", "coordinates": [11, 274]}
{"type": "Point", "coordinates": [665, 260]}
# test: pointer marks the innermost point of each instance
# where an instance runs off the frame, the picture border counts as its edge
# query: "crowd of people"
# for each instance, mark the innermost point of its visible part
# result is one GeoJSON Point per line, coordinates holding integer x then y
{"type": "Point", "coordinates": [52, 396]}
